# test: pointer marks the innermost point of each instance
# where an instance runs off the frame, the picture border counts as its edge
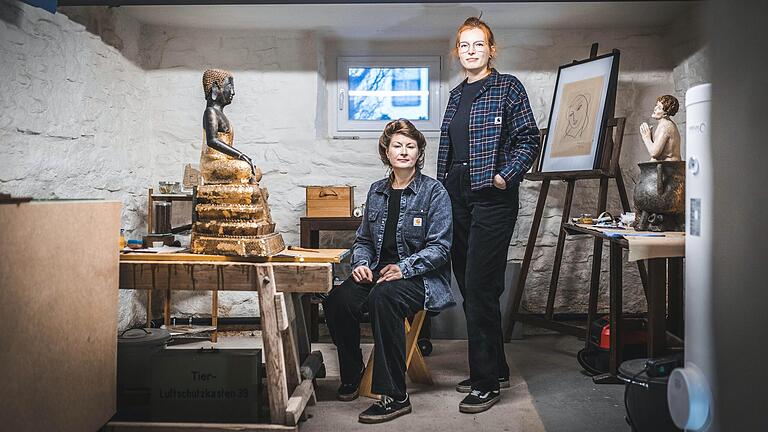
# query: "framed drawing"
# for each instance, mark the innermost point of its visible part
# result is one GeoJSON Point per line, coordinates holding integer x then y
{"type": "Point", "coordinates": [585, 94]}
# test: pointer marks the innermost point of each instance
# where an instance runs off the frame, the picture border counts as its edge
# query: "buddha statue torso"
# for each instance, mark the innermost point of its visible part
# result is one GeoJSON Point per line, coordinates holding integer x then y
{"type": "Point", "coordinates": [220, 168]}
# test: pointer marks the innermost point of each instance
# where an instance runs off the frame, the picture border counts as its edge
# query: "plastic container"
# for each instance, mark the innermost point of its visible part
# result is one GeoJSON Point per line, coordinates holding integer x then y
{"type": "Point", "coordinates": [135, 348]}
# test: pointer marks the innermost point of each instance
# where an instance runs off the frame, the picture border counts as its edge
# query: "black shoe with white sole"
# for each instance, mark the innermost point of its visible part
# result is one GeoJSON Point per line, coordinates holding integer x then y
{"type": "Point", "coordinates": [466, 385]}
{"type": "Point", "coordinates": [385, 409]}
{"type": "Point", "coordinates": [348, 392]}
{"type": "Point", "coordinates": [478, 401]}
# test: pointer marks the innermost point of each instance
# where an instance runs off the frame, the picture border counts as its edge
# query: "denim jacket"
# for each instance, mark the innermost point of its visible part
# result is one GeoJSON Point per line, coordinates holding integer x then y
{"type": "Point", "coordinates": [423, 236]}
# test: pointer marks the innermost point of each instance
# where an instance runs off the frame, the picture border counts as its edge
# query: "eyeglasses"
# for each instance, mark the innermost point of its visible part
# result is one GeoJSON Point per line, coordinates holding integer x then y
{"type": "Point", "coordinates": [478, 46]}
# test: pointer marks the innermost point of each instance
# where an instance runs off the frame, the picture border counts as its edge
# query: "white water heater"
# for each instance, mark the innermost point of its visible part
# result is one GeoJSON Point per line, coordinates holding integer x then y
{"type": "Point", "coordinates": [689, 392]}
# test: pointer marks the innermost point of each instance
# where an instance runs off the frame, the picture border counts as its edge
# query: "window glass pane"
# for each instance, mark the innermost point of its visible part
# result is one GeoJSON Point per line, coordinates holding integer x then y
{"type": "Point", "coordinates": [385, 93]}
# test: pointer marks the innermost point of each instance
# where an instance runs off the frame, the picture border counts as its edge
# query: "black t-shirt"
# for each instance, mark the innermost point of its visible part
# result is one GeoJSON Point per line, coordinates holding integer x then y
{"type": "Point", "coordinates": [459, 127]}
{"type": "Point", "coordinates": [389, 253]}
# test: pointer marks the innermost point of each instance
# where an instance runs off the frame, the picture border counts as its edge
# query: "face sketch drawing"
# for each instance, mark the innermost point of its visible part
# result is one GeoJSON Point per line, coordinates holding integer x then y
{"type": "Point", "coordinates": [577, 116]}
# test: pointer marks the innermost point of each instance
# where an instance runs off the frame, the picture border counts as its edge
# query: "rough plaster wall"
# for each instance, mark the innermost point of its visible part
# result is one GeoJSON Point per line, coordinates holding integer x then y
{"type": "Point", "coordinates": [152, 87]}
{"type": "Point", "coordinates": [71, 115]}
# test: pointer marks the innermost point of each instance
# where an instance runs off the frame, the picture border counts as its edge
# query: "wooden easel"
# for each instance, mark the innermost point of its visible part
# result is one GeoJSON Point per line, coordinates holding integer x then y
{"type": "Point", "coordinates": [608, 168]}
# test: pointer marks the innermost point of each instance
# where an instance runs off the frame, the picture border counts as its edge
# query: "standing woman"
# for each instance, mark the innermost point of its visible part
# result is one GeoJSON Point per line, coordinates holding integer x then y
{"type": "Point", "coordinates": [488, 141]}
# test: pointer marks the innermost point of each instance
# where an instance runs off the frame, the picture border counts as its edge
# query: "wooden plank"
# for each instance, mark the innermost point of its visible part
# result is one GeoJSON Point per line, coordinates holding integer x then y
{"type": "Point", "coordinates": [215, 315]}
{"type": "Point", "coordinates": [594, 287]}
{"type": "Point", "coordinates": [567, 175]}
{"type": "Point", "coordinates": [566, 217]}
{"type": "Point", "coordinates": [675, 289]}
{"type": "Point", "coordinates": [59, 305]}
{"type": "Point", "coordinates": [290, 350]}
{"type": "Point", "coordinates": [657, 306]}
{"type": "Point", "coordinates": [117, 426]}
{"type": "Point", "coordinates": [414, 361]}
{"type": "Point", "coordinates": [282, 316]}
{"type": "Point", "coordinates": [298, 402]}
{"type": "Point", "coordinates": [287, 255]}
{"type": "Point", "coordinates": [520, 287]}
{"type": "Point", "coordinates": [277, 387]}
{"type": "Point", "coordinates": [614, 357]}
{"type": "Point", "coordinates": [293, 277]}
{"type": "Point", "coordinates": [367, 381]}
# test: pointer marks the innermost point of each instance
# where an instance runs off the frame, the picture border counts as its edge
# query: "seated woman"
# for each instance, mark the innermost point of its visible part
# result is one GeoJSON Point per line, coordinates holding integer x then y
{"type": "Point", "coordinates": [400, 266]}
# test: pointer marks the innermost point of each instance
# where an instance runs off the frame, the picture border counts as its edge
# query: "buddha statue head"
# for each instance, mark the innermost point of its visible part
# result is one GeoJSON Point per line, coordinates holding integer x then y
{"type": "Point", "coordinates": [219, 86]}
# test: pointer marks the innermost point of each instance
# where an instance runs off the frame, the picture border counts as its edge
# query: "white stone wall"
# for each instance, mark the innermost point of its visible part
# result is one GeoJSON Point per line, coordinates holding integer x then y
{"type": "Point", "coordinates": [109, 111]}
{"type": "Point", "coordinates": [72, 119]}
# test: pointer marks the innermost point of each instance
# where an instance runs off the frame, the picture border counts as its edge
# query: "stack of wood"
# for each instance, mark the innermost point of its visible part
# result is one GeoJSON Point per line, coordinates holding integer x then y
{"type": "Point", "coordinates": [234, 219]}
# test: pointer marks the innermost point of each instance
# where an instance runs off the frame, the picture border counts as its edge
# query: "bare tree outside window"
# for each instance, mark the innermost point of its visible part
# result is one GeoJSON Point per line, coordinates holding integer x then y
{"type": "Point", "coordinates": [379, 93]}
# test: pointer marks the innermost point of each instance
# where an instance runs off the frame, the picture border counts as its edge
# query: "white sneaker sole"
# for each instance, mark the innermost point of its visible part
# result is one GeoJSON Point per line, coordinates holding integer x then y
{"type": "Point", "coordinates": [477, 408]}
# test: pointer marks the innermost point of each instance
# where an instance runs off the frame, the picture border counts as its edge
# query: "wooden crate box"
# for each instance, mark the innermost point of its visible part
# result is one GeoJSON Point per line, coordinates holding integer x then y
{"type": "Point", "coordinates": [330, 201]}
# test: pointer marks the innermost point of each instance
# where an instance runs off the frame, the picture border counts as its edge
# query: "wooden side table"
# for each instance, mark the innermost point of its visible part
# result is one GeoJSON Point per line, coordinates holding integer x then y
{"type": "Point", "coordinates": [664, 257]}
{"type": "Point", "coordinates": [310, 238]}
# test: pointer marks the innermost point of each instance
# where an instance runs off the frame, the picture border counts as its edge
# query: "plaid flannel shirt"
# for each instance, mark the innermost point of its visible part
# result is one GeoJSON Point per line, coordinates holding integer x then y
{"type": "Point", "coordinates": [503, 137]}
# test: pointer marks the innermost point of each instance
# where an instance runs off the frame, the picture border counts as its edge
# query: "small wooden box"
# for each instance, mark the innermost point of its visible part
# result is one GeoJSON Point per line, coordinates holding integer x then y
{"type": "Point", "coordinates": [330, 201]}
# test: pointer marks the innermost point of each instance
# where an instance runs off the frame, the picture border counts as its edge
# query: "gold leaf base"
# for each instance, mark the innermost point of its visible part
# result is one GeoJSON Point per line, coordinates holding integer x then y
{"type": "Point", "coordinates": [267, 245]}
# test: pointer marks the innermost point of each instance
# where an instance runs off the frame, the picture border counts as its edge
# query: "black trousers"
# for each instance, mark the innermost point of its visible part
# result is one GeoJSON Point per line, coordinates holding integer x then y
{"type": "Point", "coordinates": [388, 303]}
{"type": "Point", "coordinates": [483, 222]}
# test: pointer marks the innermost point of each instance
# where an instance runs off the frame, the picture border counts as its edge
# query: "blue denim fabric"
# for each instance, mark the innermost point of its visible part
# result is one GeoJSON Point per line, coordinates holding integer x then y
{"type": "Point", "coordinates": [423, 237]}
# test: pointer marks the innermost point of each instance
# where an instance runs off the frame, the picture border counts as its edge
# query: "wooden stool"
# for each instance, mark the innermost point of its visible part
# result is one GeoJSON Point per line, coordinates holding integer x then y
{"type": "Point", "coordinates": [414, 361]}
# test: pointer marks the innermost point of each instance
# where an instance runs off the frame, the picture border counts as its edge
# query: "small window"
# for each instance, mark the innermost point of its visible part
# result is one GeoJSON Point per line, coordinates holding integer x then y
{"type": "Point", "coordinates": [374, 90]}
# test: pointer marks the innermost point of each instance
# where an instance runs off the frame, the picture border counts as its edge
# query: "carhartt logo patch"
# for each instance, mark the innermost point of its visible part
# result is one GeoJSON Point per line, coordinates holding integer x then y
{"type": "Point", "coordinates": [497, 120]}
{"type": "Point", "coordinates": [417, 221]}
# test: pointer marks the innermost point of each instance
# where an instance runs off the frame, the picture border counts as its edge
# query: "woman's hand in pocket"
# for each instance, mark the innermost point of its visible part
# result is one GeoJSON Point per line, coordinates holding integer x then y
{"type": "Point", "coordinates": [499, 183]}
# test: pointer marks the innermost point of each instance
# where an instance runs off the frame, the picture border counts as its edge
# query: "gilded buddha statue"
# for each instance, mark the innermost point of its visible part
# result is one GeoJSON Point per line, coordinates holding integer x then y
{"type": "Point", "coordinates": [231, 212]}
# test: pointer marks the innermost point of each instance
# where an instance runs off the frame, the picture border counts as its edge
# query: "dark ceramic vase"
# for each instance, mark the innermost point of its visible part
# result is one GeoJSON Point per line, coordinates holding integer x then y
{"type": "Point", "coordinates": [660, 196]}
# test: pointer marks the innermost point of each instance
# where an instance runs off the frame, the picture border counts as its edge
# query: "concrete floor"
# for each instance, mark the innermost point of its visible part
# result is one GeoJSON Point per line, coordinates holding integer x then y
{"type": "Point", "coordinates": [548, 392]}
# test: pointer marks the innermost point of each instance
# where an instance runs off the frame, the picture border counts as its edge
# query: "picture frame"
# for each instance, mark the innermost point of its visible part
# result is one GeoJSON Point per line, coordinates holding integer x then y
{"type": "Point", "coordinates": [584, 100]}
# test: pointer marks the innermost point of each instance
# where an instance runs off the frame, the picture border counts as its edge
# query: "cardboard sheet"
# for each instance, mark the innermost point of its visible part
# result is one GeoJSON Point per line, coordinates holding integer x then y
{"type": "Point", "coordinates": [58, 301]}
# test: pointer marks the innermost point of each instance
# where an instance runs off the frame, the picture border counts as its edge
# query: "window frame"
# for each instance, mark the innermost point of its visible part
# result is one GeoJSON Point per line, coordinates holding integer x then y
{"type": "Point", "coordinates": [341, 125]}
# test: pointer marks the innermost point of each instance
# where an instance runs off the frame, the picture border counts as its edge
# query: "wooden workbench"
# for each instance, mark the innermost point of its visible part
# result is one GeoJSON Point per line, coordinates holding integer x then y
{"type": "Point", "coordinates": [305, 271]}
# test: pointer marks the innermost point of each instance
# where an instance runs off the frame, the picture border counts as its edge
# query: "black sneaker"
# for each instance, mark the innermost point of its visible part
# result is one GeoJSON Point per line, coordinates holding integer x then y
{"type": "Point", "coordinates": [466, 385]}
{"type": "Point", "coordinates": [385, 409]}
{"type": "Point", "coordinates": [348, 392]}
{"type": "Point", "coordinates": [478, 401]}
